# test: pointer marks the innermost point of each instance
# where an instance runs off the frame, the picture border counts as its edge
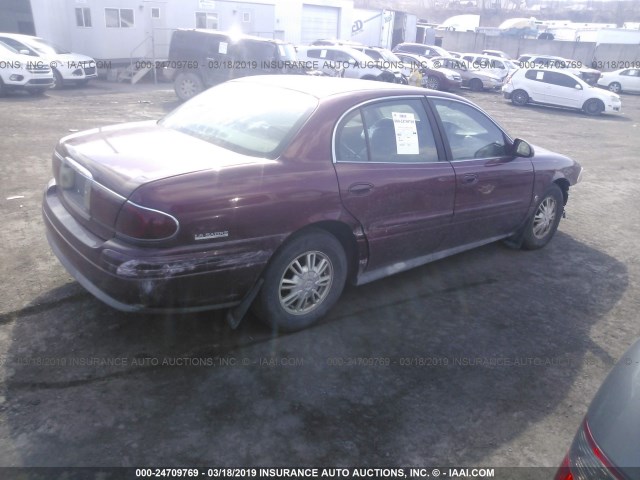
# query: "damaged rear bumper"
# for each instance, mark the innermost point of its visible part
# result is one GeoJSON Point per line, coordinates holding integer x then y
{"type": "Point", "coordinates": [130, 278]}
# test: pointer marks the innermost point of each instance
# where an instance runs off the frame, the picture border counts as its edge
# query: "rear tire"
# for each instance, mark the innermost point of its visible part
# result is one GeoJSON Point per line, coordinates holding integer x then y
{"type": "Point", "coordinates": [476, 85]}
{"type": "Point", "coordinates": [303, 280]}
{"type": "Point", "coordinates": [615, 87]}
{"type": "Point", "coordinates": [520, 98]}
{"type": "Point", "coordinates": [433, 82]}
{"type": "Point", "coordinates": [545, 219]}
{"type": "Point", "coordinates": [187, 85]}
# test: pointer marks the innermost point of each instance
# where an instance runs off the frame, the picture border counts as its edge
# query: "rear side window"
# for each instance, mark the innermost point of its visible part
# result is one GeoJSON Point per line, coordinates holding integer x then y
{"type": "Point", "coordinates": [317, 53]}
{"type": "Point", "coordinates": [252, 50]}
{"type": "Point", "coordinates": [393, 131]}
{"type": "Point", "coordinates": [560, 79]}
{"type": "Point", "coordinates": [537, 75]}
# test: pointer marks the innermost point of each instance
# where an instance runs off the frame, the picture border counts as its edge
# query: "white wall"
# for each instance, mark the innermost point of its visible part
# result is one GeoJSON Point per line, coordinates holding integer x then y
{"type": "Point", "coordinates": [55, 20]}
{"type": "Point", "coordinates": [289, 17]}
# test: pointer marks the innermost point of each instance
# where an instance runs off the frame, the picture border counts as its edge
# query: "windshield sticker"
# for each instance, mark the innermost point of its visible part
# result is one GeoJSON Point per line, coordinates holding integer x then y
{"type": "Point", "coordinates": [539, 75]}
{"type": "Point", "coordinates": [222, 48]}
{"type": "Point", "coordinates": [406, 133]}
{"type": "Point", "coordinates": [323, 53]}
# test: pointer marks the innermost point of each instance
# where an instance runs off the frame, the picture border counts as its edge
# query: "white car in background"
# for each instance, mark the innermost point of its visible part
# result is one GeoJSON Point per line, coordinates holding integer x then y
{"type": "Point", "coordinates": [500, 67]}
{"type": "Point", "coordinates": [623, 80]}
{"type": "Point", "coordinates": [354, 63]}
{"type": "Point", "coordinates": [558, 89]}
{"type": "Point", "coordinates": [67, 67]}
{"type": "Point", "coordinates": [22, 72]}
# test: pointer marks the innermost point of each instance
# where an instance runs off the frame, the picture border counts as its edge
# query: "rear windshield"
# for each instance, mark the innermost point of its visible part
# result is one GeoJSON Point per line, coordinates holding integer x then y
{"type": "Point", "coordinates": [245, 117]}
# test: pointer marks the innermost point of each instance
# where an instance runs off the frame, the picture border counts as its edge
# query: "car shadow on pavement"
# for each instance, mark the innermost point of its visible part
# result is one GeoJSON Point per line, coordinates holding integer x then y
{"type": "Point", "coordinates": [444, 364]}
{"type": "Point", "coordinates": [551, 111]}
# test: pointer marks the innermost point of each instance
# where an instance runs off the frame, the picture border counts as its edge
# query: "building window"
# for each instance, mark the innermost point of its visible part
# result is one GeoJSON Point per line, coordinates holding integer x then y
{"type": "Point", "coordinates": [83, 17]}
{"type": "Point", "coordinates": [207, 20]}
{"type": "Point", "coordinates": [155, 13]}
{"type": "Point", "coordinates": [246, 17]}
{"type": "Point", "coordinates": [119, 17]}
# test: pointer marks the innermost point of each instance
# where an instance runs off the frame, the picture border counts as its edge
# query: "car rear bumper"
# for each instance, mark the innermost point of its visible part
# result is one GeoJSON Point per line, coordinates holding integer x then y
{"type": "Point", "coordinates": [131, 278]}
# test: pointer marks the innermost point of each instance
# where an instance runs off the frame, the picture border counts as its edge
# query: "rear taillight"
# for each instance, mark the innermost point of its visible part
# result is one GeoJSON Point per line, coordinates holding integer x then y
{"type": "Point", "coordinates": [141, 223]}
{"type": "Point", "coordinates": [586, 461]}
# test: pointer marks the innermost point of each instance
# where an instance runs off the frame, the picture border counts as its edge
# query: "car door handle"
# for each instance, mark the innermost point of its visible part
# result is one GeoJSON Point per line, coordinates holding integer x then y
{"type": "Point", "coordinates": [360, 188]}
{"type": "Point", "coordinates": [469, 178]}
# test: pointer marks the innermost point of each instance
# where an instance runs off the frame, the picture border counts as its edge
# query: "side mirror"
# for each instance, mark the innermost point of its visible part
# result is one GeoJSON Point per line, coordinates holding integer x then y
{"type": "Point", "coordinates": [522, 148]}
{"type": "Point", "coordinates": [578, 86]}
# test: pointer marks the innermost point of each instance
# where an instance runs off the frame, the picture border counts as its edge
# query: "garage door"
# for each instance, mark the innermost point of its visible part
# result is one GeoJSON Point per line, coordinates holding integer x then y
{"type": "Point", "coordinates": [319, 22]}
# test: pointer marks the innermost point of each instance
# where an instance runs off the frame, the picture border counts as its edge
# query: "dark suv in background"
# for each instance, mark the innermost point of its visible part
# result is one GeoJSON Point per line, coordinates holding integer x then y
{"type": "Point", "coordinates": [199, 59]}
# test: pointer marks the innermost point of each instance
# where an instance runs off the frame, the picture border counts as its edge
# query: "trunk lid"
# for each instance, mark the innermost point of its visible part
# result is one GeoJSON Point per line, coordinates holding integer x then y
{"type": "Point", "coordinates": [97, 170]}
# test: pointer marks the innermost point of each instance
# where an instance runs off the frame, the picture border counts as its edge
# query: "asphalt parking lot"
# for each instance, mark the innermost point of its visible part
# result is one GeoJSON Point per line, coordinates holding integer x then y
{"type": "Point", "coordinates": [486, 359]}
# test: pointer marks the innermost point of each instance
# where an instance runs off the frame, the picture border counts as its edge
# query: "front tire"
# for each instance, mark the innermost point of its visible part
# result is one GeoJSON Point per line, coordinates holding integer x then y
{"type": "Point", "coordinates": [303, 281]}
{"type": "Point", "coordinates": [187, 85]}
{"type": "Point", "coordinates": [545, 220]}
{"type": "Point", "coordinates": [58, 82]}
{"type": "Point", "coordinates": [593, 107]}
{"type": "Point", "coordinates": [520, 98]}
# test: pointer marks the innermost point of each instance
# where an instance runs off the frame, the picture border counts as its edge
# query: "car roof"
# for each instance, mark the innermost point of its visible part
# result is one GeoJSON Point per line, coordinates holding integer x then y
{"type": "Point", "coordinates": [325, 87]}
{"type": "Point", "coordinates": [522, 71]}
{"type": "Point", "coordinates": [481, 55]}
{"type": "Point", "coordinates": [235, 36]}
{"type": "Point", "coordinates": [416, 56]}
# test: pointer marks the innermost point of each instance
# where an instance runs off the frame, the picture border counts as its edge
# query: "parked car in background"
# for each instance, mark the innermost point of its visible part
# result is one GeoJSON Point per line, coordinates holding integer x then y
{"type": "Point", "coordinates": [68, 67]}
{"type": "Point", "coordinates": [433, 77]}
{"type": "Point", "coordinates": [589, 75]}
{"type": "Point", "coordinates": [475, 79]}
{"type": "Point", "coordinates": [337, 42]}
{"type": "Point", "coordinates": [201, 58]}
{"type": "Point", "coordinates": [19, 71]}
{"type": "Point", "coordinates": [606, 444]}
{"type": "Point", "coordinates": [355, 63]}
{"type": "Point", "coordinates": [558, 89]}
{"type": "Point", "coordinates": [497, 66]}
{"type": "Point", "coordinates": [277, 190]}
{"type": "Point", "coordinates": [427, 51]}
{"type": "Point", "coordinates": [496, 53]}
{"type": "Point", "coordinates": [623, 80]}
{"type": "Point", "coordinates": [386, 59]}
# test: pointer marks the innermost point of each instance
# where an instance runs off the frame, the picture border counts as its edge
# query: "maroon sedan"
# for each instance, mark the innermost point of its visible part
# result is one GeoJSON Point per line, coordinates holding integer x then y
{"type": "Point", "coordinates": [272, 192]}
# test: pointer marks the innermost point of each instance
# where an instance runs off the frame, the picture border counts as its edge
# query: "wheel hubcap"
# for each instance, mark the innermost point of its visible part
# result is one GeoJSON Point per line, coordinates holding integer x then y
{"type": "Point", "coordinates": [544, 218]}
{"type": "Point", "coordinates": [306, 283]}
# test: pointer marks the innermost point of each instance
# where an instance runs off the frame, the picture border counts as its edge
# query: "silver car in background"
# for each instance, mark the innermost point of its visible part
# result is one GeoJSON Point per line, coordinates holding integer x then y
{"type": "Point", "coordinates": [607, 443]}
{"type": "Point", "coordinates": [475, 79]}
